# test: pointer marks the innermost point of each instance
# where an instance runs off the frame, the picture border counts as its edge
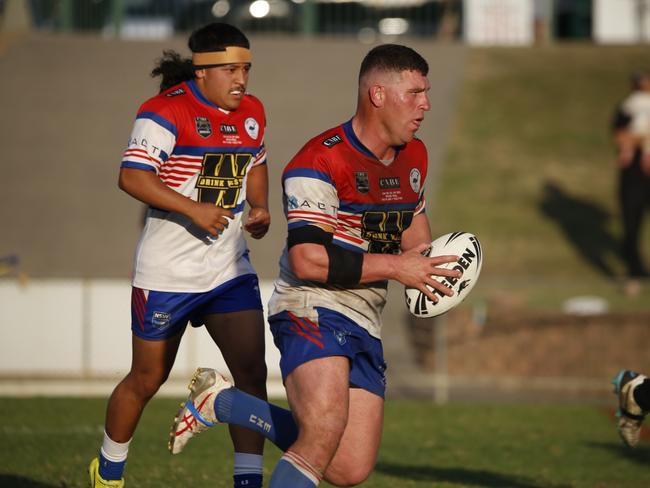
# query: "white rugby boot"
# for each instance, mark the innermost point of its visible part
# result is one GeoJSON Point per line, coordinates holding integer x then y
{"type": "Point", "coordinates": [197, 412]}
{"type": "Point", "coordinates": [630, 414]}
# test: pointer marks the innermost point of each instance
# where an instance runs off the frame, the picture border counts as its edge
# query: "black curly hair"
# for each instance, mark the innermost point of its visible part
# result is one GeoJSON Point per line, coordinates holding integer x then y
{"type": "Point", "coordinates": [174, 69]}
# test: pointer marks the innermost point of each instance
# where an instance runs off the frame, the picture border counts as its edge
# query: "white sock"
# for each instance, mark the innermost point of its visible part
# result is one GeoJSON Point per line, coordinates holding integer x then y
{"type": "Point", "coordinates": [114, 451]}
{"type": "Point", "coordinates": [248, 463]}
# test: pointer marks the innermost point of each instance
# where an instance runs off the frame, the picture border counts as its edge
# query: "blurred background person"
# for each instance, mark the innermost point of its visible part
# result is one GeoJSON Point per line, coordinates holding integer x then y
{"type": "Point", "coordinates": [631, 128]}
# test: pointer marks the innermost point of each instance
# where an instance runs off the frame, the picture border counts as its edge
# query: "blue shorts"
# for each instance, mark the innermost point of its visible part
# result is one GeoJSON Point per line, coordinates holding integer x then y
{"type": "Point", "coordinates": [157, 315]}
{"type": "Point", "coordinates": [300, 340]}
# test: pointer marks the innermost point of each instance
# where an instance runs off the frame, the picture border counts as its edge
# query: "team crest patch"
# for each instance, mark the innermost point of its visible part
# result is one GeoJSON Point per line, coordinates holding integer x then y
{"type": "Point", "coordinates": [415, 180]}
{"type": "Point", "coordinates": [361, 181]}
{"type": "Point", "coordinates": [203, 126]}
{"type": "Point", "coordinates": [252, 127]}
{"type": "Point", "coordinates": [161, 320]}
{"type": "Point", "coordinates": [341, 337]}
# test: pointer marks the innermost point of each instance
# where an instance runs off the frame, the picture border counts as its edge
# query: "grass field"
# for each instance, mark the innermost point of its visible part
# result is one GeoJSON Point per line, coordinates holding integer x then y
{"type": "Point", "coordinates": [47, 443]}
{"type": "Point", "coordinates": [530, 169]}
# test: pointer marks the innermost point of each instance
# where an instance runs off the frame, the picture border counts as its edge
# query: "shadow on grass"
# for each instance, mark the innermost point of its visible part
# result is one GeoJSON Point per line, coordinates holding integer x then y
{"type": "Point", "coordinates": [462, 476]}
{"type": "Point", "coordinates": [584, 224]}
{"type": "Point", "coordinates": [13, 481]}
{"type": "Point", "coordinates": [639, 454]}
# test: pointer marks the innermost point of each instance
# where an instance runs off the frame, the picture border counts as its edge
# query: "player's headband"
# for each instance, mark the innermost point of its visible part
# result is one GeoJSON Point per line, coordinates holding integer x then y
{"type": "Point", "coordinates": [230, 55]}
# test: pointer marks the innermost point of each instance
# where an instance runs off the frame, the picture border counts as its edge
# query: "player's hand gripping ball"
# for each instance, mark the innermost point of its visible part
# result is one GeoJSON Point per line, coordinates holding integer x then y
{"type": "Point", "coordinates": [470, 259]}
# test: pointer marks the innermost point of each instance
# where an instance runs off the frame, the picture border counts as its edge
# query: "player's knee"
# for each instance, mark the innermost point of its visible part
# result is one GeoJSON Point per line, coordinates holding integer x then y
{"type": "Point", "coordinates": [252, 377]}
{"type": "Point", "coordinates": [351, 466]}
{"type": "Point", "coordinates": [149, 382]}
{"type": "Point", "coordinates": [325, 430]}
{"type": "Point", "coordinates": [349, 475]}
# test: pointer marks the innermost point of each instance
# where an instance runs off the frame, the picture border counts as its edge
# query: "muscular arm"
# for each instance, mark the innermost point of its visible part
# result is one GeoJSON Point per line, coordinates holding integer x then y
{"type": "Point", "coordinates": [147, 187]}
{"type": "Point", "coordinates": [257, 196]}
{"type": "Point", "coordinates": [311, 262]}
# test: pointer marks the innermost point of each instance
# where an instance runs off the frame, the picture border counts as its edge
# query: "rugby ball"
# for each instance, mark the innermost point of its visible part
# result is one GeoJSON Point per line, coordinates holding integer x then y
{"type": "Point", "coordinates": [470, 259]}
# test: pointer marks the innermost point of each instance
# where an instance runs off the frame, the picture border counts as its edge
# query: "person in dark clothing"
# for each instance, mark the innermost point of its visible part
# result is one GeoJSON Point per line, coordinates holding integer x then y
{"type": "Point", "coordinates": [631, 129]}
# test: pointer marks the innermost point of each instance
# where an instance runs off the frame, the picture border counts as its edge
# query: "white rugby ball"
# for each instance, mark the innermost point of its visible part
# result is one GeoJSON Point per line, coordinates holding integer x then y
{"type": "Point", "coordinates": [470, 259]}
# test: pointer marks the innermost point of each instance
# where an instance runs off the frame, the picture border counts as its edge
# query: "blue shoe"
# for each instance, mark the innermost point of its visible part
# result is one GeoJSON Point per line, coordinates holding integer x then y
{"type": "Point", "coordinates": [630, 414]}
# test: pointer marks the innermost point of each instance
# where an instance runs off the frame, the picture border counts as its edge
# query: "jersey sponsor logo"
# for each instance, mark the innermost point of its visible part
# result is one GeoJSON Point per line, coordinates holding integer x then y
{"type": "Point", "coordinates": [252, 127]}
{"type": "Point", "coordinates": [203, 126]}
{"type": "Point", "coordinates": [175, 93]}
{"type": "Point", "coordinates": [391, 182]}
{"type": "Point", "coordinates": [161, 320]}
{"type": "Point", "coordinates": [361, 181]}
{"type": "Point", "coordinates": [150, 148]}
{"type": "Point", "coordinates": [222, 178]}
{"type": "Point", "coordinates": [383, 230]}
{"type": "Point", "coordinates": [293, 203]}
{"type": "Point", "coordinates": [332, 141]}
{"type": "Point", "coordinates": [415, 179]}
{"type": "Point", "coordinates": [228, 129]}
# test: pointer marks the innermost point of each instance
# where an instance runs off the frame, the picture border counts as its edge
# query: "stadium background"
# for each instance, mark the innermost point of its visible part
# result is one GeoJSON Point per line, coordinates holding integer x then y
{"type": "Point", "coordinates": [73, 74]}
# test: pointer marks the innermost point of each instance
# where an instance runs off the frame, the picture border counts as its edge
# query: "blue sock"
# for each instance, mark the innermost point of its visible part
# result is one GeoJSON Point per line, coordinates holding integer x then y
{"type": "Point", "coordinates": [248, 480]}
{"type": "Point", "coordinates": [110, 470]}
{"type": "Point", "coordinates": [293, 472]}
{"type": "Point", "coordinates": [233, 406]}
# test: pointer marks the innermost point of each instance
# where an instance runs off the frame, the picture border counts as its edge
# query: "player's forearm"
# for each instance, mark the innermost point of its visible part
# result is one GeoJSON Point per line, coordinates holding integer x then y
{"type": "Point", "coordinates": [379, 267]}
{"type": "Point", "coordinates": [311, 262]}
{"type": "Point", "coordinates": [418, 233]}
{"type": "Point", "coordinates": [257, 187]}
{"type": "Point", "coordinates": [147, 187]}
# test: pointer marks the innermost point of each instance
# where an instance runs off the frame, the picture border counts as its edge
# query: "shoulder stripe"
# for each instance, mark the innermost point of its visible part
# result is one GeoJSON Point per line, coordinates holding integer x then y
{"type": "Point", "coordinates": [307, 173]}
{"type": "Point", "coordinates": [160, 120]}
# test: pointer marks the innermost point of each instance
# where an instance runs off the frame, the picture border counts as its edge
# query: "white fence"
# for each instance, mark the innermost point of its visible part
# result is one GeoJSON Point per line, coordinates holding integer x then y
{"type": "Point", "coordinates": [80, 330]}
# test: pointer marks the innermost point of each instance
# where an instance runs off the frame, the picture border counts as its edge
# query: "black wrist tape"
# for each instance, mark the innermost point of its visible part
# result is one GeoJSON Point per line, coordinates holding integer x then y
{"type": "Point", "coordinates": [345, 266]}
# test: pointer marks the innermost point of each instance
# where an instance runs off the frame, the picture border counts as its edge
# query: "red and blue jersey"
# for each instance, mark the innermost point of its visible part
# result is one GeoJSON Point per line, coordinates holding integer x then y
{"type": "Point", "coordinates": [204, 153]}
{"type": "Point", "coordinates": [335, 181]}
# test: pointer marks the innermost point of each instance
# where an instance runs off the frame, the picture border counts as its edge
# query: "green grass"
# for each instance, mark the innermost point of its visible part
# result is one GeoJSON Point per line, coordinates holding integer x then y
{"type": "Point", "coordinates": [530, 169]}
{"type": "Point", "coordinates": [48, 443]}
